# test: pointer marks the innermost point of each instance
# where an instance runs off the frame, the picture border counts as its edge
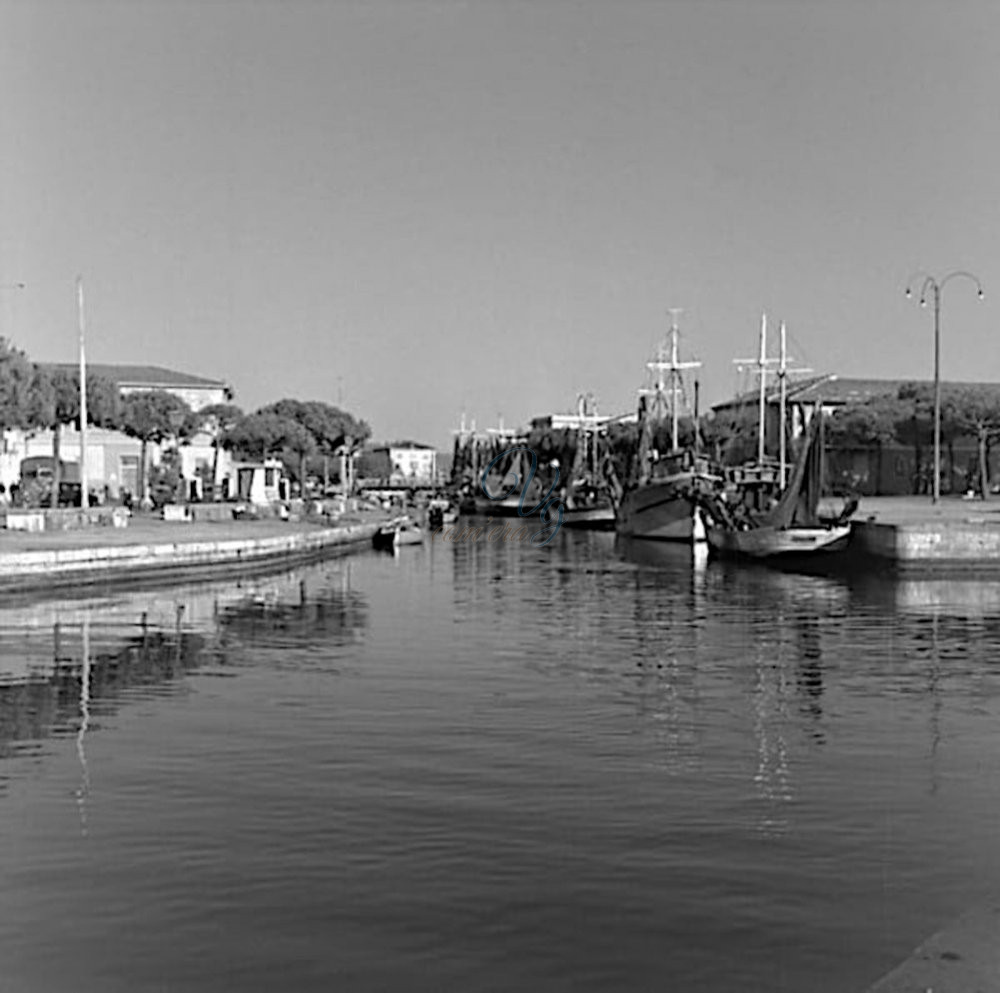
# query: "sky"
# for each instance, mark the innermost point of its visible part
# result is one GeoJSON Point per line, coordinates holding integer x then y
{"type": "Point", "coordinates": [419, 209]}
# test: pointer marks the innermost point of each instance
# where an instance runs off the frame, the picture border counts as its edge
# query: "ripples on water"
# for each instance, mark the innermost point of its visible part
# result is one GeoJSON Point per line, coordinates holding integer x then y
{"type": "Point", "coordinates": [491, 767]}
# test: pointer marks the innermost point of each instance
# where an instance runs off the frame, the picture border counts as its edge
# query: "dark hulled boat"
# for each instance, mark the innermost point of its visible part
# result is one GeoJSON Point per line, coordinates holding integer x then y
{"type": "Point", "coordinates": [661, 501]}
{"type": "Point", "coordinates": [792, 529]}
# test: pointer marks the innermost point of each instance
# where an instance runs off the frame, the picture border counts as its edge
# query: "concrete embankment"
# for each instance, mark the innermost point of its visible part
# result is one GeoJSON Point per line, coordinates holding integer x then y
{"type": "Point", "coordinates": [913, 533]}
{"type": "Point", "coordinates": [963, 958]}
{"type": "Point", "coordinates": [152, 549]}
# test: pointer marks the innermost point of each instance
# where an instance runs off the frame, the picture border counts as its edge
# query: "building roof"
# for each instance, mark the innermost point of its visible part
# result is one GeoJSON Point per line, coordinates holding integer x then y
{"type": "Point", "coordinates": [841, 390]}
{"type": "Point", "coordinates": [402, 444]}
{"type": "Point", "coordinates": [147, 376]}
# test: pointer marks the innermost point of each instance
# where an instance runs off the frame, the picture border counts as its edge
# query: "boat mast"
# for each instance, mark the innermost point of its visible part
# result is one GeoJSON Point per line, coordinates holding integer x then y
{"type": "Point", "coordinates": [761, 363]}
{"type": "Point", "coordinates": [674, 380]}
{"type": "Point", "coordinates": [675, 366]}
{"type": "Point", "coordinates": [783, 373]}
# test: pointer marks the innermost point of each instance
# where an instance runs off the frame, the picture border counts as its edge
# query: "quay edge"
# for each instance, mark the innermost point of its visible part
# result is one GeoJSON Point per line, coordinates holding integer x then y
{"type": "Point", "coordinates": [932, 544]}
{"type": "Point", "coordinates": [52, 568]}
{"type": "Point", "coordinates": [962, 958]}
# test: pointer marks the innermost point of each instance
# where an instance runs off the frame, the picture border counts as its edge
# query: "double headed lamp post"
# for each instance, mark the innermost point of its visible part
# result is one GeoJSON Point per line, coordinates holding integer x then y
{"type": "Point", "coordinates": [936, 288]}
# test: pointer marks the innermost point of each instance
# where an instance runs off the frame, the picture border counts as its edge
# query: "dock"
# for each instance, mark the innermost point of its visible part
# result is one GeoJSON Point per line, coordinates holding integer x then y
{"type": "Point", "coordinates": [912, 533]}
{"type": "Point", "coordinates": [962, 958]}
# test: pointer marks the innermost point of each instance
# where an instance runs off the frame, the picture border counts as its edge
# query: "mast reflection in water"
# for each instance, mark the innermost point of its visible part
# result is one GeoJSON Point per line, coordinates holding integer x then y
{"type": "Point", "coordinates": [488, 766]}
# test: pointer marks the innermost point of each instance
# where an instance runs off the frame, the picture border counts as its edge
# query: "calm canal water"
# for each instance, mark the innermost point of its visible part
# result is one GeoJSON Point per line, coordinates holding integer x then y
{"type": "Point", "coordinates": [490, 768]}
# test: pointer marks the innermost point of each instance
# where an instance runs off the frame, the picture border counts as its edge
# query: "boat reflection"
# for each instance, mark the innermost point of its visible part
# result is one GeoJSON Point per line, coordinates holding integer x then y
{"type": "Point", "coordinates": [667, 555]}
{"type": "Point", "coordinates": [962, 596]}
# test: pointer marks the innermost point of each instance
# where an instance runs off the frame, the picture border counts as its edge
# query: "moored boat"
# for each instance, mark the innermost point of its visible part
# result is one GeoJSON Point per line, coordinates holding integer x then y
{"type": "Point", "coordinates": [400, 531]}
{"type": "Point", "coordinates": [599, 517]}
{"type": "Point", "coordinates": [666, 506]}
{"type": "Point", "coordinates": [792, 529]}
{"type": "Point", "coordinates": [661, 503]}
{"type": "Point", "coordinates": [440, 512]}
{"type": "Point", "coordinates": [766, 542]}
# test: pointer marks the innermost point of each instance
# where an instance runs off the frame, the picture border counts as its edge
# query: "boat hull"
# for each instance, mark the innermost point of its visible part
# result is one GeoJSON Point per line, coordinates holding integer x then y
{"type": "Point", "coordinates": [582, 517]}
{"type": "Point", "coordinates": [595, 518]}
{"type": "Point", "coordinates": [779, 543]}
{"type": "Point", "coordinates": [507, 507]}
{"type": "Point", "coordinates": [661, 511]}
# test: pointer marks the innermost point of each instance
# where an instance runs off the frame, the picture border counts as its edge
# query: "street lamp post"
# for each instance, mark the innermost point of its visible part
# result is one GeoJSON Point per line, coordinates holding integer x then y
{"type": "Point", "coordinates": [84, 475]}
{"type": "Point", "coordinates": [936, 287]}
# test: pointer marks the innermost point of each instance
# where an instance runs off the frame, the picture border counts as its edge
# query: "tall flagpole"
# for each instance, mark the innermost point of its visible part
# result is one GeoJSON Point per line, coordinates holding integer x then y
{"type": "Point", "coordinates": [84, 483]}
{"type": "Point", "coordinates": [783, 374]}
{"type": "Point", "coordinates": [762, 365]}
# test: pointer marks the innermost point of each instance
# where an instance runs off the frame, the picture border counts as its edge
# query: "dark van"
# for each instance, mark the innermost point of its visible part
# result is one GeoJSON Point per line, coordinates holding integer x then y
{"type": "Point", "coordinates": [36, 482]}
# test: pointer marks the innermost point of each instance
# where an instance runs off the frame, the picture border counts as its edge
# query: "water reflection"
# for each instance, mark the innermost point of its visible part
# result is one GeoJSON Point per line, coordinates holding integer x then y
{"type": "Point", "coordinates": [809, 670]}
{"type": "Point", "coordinates": [84, 791]}
{"type": "Point", "coordinates": [772, 776]}
{"type": "Point", "coordinates": [65, 663]}
{"type": "Point", "coordinates": [616, 750]}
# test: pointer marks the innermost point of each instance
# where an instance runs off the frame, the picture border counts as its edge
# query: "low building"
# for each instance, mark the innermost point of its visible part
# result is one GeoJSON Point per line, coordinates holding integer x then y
{"type": "Point", "coordinates": [408, 462]}
{"type": "Point", "coordinates": [259, 483]}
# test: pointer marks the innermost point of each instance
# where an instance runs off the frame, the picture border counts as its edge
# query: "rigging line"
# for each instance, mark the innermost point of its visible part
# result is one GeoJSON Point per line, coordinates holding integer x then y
{"type": "Point", "coordinates": [803, 357]}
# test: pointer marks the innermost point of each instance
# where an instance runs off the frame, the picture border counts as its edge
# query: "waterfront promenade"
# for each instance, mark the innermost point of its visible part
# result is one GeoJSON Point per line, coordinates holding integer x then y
{"type": "Point", "coordinates": [906, 532]}
{"type": "Point", "coordinates": [900, 510]}
{"type": "Point", "coordinates": [149, 547]}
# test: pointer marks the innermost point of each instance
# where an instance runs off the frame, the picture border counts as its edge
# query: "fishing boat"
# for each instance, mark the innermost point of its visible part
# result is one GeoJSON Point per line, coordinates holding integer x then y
{"type": "Point", "coordinates": [662, 500]}
{"type": "Point", "coordinates": [506, 473]}
{"type": "Point", "coordinates": [585, 496]}
{"type": "Point", "coordinates": [792, 528]}
{"type": "Point", "coordinates": [488, 464]}
{"type": "Point", "coordinates": [766, 516]}
{"type": "Point", "coordinates": [598, 518]}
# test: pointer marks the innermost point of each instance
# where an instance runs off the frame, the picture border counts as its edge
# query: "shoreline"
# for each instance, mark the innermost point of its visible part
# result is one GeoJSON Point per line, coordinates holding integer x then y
{"type": "Point", "coordinates": [150, 550]}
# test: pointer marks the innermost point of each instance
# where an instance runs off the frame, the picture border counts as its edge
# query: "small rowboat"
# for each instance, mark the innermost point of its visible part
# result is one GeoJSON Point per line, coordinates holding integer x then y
{"type": "Point", "coordinates": [401, 531]}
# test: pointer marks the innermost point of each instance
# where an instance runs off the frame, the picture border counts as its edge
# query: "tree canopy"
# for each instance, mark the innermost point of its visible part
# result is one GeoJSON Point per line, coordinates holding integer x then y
{"type": "Point", "coordinates": [154, 415]}
{"type": "Point", "coordinates": [16, 379]}
{"type": "Point", "coordinates": [330, 427]}
{"type": "Point", "coordinates": [56, 399]}
{"type": "Point", "coordinates": [257, 435]}
{"type": "Point", "coordinates": [865, 424]}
